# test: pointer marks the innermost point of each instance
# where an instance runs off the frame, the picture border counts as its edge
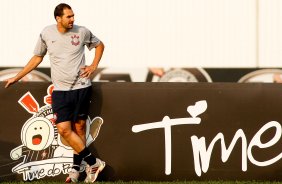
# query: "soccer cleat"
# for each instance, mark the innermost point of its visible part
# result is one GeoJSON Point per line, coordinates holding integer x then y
{"type": "Point", "coordinates": [93, 171]}
{"type": "Point", "coordinates": [73, 176]}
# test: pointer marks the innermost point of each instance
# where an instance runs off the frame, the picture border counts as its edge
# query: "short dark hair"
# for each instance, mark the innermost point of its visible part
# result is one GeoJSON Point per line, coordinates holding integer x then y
{"type": "Point", "coordinates": [59, 10]}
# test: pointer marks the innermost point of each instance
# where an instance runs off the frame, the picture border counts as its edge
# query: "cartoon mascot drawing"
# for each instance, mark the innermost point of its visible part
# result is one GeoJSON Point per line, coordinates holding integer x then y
{"type": "Point", "coordinates": [43, 150]}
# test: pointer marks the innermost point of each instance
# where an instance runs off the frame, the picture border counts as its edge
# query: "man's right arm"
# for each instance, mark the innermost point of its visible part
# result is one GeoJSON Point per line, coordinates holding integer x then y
{"type": "Point", "coordinates": [33, 63]}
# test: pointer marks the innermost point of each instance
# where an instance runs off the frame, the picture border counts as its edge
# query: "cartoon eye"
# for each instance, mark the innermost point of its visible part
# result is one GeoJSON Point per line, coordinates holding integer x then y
{"type": "Point", "coordinates": [35, 128]}
{"type": "Point", "coordinates": [40, 128]}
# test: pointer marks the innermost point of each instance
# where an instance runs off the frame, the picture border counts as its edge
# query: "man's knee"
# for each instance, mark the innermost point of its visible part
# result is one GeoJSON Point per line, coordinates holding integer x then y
{"type": "Point", "coordinates": [80, 127]}
{"type": "Point", "coordinates": [64, 129]}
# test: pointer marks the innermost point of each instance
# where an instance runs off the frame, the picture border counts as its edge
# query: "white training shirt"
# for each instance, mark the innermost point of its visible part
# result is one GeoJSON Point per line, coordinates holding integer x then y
{"type": "Point", "coordinates": [66, 52]}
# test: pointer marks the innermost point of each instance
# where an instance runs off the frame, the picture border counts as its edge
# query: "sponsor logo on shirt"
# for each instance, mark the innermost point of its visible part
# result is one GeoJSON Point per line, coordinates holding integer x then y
{"type": "Point", "coordinates": [75, 40]}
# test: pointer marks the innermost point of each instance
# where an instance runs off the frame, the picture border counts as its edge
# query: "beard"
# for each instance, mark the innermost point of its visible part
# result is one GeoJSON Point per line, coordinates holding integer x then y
{"type": "Point", "coordinates": [68, 25]}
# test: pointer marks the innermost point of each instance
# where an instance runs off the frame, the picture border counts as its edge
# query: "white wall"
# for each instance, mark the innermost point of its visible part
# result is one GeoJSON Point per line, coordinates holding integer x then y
{"type": "Point", "coordinates": [270, 32]}
{"type": "Point", "coordinates": [164, 33]}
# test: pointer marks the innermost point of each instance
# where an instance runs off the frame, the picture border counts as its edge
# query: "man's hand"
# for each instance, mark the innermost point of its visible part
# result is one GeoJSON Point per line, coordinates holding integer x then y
{"type": "Point", "coordinates": [87, 71]}
{"type": "Point", "coordinates": [10, 81]}
{"type": "Point", "coordinates": [33, 63]}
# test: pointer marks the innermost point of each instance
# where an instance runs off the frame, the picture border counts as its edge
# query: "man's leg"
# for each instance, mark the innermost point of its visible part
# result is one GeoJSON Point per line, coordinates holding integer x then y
{"type": "Point", "coordinates": [79, 128]}
{"type": "Point", "coordinates": [65, 130]}
{"type": "Point", "coordinates": [93, 168]}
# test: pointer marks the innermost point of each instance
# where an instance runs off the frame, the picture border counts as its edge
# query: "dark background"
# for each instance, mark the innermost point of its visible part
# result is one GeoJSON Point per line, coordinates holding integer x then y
{"type": "Point", "coordinates": [141, 156]}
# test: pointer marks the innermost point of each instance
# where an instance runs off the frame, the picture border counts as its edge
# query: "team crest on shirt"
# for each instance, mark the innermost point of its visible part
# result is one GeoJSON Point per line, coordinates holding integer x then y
{"type": "Point", "coordinates": [43, 152]}
{"type": "Point", "coordinates": [75, 40]}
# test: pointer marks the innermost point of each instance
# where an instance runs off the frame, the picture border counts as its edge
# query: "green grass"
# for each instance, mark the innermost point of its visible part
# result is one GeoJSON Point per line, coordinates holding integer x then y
{"type": "Point", "coordinates": [149, 182]}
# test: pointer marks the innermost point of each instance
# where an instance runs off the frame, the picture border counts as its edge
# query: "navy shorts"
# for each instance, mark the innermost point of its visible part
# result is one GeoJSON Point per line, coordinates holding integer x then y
{"type": "Point", "coordinates": [71, 105]}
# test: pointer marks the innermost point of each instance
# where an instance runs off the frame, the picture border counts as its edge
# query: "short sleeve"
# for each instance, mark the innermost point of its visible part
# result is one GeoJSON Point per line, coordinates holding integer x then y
{"type": "Point", "coordinates": [91, 41]}
{"type": "Point", "coordinates": [41, 47]}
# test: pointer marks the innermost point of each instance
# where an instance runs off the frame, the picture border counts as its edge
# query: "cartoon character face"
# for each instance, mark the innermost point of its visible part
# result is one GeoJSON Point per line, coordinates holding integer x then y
{"type": "Point", "coordinates": [37, 133]}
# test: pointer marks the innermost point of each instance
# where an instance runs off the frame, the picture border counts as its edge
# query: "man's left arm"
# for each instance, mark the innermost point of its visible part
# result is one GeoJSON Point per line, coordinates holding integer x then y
{"type": "Point", "coordinates": [88, 70]}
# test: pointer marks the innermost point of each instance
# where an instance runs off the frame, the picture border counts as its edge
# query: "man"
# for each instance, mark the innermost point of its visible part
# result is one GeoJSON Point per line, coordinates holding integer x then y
{"type": "Point", "coordinates": [72, 86]}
